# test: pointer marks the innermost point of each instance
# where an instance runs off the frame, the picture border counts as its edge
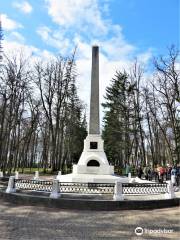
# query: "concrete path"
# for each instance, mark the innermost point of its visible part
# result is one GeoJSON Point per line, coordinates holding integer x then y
{"type": "Point", "coordinates": [34, 223]}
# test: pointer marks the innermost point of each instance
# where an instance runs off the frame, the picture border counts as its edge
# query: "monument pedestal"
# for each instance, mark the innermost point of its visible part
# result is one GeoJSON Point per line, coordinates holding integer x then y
{"type": "Point", "coordinates": [93, 158]}
{"type": "Point", "coordinates": [91, 178]}
{"type": "Point", "coordinates": [93, 165]}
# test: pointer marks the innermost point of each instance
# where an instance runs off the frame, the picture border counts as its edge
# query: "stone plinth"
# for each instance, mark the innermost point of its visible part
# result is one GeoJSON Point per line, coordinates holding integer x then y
{"type": "Point", "coordinates": [91, 178]}
{"type": "Point", "coordinates": [93, 153]}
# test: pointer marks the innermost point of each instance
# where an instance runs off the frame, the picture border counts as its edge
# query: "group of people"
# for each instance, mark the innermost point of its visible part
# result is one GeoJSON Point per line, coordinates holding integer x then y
{"type": "Point", "coordinates": [168, 173]}
{"type": "Point", "coordinates": [159, 173]}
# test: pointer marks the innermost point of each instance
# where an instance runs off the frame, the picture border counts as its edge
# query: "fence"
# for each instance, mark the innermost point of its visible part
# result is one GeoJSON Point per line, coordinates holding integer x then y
{"type": "Point", "coordinates": [36, 185]}
{"type": "Point", "coordinates": [81, 188]}
{"type": "Point", "coordinates": [144, 188]}
{"type": "Point", "coordinates": [91, 188]}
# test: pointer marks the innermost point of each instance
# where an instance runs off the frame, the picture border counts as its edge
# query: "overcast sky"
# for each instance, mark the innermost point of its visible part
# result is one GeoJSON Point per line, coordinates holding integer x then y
{"type": "Point", "coordinates": [124, 30]}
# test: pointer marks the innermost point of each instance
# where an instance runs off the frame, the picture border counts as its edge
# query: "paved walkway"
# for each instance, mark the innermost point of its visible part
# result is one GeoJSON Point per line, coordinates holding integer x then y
{"type": "Point", "coordinates": [34, 223]}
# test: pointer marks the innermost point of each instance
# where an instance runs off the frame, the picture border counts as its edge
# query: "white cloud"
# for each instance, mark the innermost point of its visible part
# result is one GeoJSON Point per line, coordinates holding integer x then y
{"type": "Point", "coordinates": [16, 36]}
{"type": "Point", "coordinates": [177, 65]}
{"type": "Point", "coordinates": [13, 47]}
{"type": "Point", "coordinates": [87, 21]}
{"type": "Point", "coordinates": [44, 32]}
{"type": "Point", "coordinates": [79, 13]}
{"type": "Point", "coordinates": [55, 39]}
{"type": "Point", "coordinates": [16, 48]}
{"type": "Point", "coordinates": [9, 24]}
{"type": "Point", "coordinates": [145, 56]}
{"type": "Point", "coordinates": [24, 6]}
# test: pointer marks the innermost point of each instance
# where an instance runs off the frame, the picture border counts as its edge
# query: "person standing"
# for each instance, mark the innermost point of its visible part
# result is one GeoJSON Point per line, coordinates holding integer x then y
{"type": "Point", "coordinates": [145, 171]}
{"type": "Point", "coordinates": [139, 172]}
{"type": "Point", "coordinates": [173, 175]}
{"type": "Point", "coordinates": [127, 169]}
{"type": "Point", "coordinates": [150, 173]}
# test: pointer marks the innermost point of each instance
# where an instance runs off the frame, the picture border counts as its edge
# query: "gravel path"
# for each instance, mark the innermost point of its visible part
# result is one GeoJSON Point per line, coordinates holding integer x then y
{"type": "Point", "coordinates": [34, 223]}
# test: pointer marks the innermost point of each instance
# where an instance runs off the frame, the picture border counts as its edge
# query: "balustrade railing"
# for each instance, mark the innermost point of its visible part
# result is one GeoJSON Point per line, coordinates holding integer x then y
{"type": "Point", "coordinates": [91, 188]}
{"type": "Point", "coordinates": [144, 188]}
{"type": "Point", "coordinates": [87, 188]}
{"type": "Point", "coordinates": [33, 185]}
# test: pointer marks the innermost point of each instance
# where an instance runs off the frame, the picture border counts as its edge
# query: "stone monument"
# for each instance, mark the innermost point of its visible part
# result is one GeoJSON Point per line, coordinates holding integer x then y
{"type": "Point", "coordinates": [93, 165]}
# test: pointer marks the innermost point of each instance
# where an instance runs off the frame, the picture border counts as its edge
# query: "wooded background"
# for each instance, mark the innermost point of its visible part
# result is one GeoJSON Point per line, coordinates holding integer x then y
{"type": "Point", "coordinates": [142, 114]}
{"type": "Point", "coordinates": [43, 121]}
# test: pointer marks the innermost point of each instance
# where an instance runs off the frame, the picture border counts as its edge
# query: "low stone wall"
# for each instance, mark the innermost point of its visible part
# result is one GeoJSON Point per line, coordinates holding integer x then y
{"type": "Point", "coordinates": [86, 204]}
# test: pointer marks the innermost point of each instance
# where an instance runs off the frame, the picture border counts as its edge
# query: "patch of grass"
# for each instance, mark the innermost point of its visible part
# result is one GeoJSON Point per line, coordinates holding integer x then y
{"type": "Point", "coordinates": [32, 170]}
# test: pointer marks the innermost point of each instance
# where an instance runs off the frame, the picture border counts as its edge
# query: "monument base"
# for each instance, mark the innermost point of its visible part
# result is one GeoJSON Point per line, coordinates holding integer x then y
{"type": "Point", "coordinates": [93, 165]}
{"type": "Point", "coordinates": [102, 170]}
{"type": "Point", "coordinates": [93, 159]}
{"type": "Point", "coordinates": [91, 178]}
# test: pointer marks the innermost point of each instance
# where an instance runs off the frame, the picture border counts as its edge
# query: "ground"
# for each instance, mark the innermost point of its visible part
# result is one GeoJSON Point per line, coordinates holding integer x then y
{"type": "Point", "coordinates": [34, 223]}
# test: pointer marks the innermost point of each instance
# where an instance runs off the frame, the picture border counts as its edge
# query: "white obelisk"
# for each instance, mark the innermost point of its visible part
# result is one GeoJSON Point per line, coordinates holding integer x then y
{"type": "Point", "coordinates": [93, 165]}
{"type": "Point", "coordinates": [94, 100]}
{"type": "Point", "coordinates": [93, 158]}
